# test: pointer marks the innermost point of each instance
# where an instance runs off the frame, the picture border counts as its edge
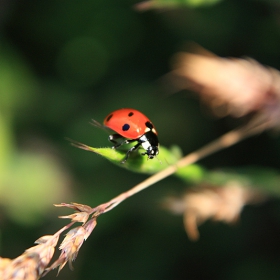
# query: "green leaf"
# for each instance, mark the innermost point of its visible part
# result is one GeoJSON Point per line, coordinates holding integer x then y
{"type": "Point", "coordinates": [137, 162]}
{"type": "Point", "coordinates": [193, 173]}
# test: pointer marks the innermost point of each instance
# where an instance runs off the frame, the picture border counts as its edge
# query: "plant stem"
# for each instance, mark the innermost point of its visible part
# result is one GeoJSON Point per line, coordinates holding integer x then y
{"type": "Point", "coordinates": [254, 127]}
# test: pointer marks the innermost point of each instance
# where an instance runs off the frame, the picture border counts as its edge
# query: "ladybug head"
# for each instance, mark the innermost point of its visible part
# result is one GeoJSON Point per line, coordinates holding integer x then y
{"type": "Point", "coordinates": [152, 151]}
{"type": "Point", "coordinates": [149, 142]}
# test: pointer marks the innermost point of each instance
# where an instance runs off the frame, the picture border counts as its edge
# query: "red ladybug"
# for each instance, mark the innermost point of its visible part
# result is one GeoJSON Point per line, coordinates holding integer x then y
{"type": "Point", "coordinates": [132, 124]}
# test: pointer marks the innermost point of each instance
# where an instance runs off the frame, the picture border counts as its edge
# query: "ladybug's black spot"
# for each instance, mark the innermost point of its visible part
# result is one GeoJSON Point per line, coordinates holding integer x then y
{"type": "Point", "coordinates": [109, 117]}
{"type": "Point", "coordinates": [149, 125]}
{"type": "Point", "coordinates": [126, 127]}
{"type": "Point", "coordinates": [130, 114]}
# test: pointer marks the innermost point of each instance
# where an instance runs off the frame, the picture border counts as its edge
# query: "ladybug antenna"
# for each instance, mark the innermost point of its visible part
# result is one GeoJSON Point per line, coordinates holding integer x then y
{"type": "Point", "coordinates": [96, 123]}
{"type": "Point", "coordinates": [99, 125]}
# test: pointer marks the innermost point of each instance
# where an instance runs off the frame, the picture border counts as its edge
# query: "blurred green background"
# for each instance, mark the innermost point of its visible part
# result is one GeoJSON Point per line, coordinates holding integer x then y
{"type": "Point", "coordinates": [63, 63]}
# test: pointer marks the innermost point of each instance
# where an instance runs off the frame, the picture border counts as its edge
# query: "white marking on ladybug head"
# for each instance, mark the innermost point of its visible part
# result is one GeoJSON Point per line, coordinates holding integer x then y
{"type": "Point", "coordinates": [147, 129]}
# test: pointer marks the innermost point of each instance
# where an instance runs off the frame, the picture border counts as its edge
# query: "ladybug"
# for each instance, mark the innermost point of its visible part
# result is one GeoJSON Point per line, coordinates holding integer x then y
{"type": "Point", "coordinates": [136, 127]}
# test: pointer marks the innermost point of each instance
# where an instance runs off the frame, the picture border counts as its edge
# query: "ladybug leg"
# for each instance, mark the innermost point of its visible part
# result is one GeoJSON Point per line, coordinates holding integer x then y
{"type": "Point", "coordinates": [112, 138]}
{"type": "Point", "coordinates": [130, 150]}
{"type": "Point", "coordinates": [118, 144]}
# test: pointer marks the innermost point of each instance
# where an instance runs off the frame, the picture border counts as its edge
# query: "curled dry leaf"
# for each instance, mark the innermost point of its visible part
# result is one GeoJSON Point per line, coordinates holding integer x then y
{"type": "Point", "coordinates": [218, 203]}
{"type": "Point", "coordinates": [229, 86]}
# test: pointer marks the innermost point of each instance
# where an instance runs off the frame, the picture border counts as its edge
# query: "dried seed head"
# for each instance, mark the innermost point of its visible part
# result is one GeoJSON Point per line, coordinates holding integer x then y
{"type": "Point", "coordinates": [81, 217]}
{"type": "Point", "coordinates": [76, 206]}
{"type": "Point", "coordinates": [218, 203]}
{"type": "Point", "coordinates": [230, 86]}
{"type": "Point", "coordinates": [71, 245]}
{"type": "Point", "coordinates": [24, 267]}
